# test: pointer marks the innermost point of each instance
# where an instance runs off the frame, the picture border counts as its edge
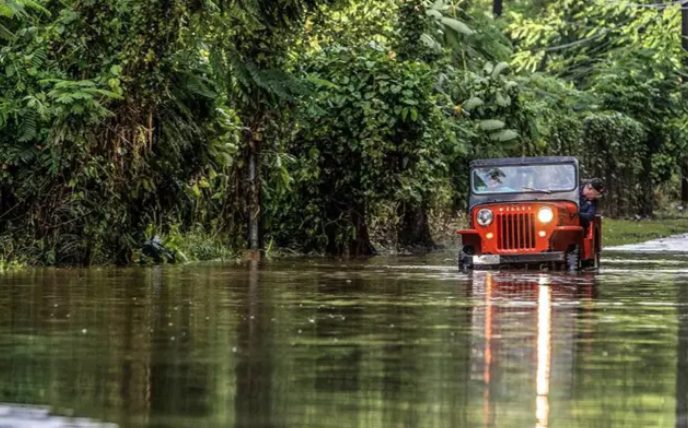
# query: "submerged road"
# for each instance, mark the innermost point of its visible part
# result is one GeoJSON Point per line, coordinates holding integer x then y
{"type": "Point", "coordinates": [676, 243]}
{"type": "Point", "coordinates": [314, 342]}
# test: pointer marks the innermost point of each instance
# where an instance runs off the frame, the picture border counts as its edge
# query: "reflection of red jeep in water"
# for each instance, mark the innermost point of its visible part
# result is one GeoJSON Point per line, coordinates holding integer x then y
{"type": "Point", "coordinates": [524, 211]}
{"type": "Point", "coordinates": [529, 331]}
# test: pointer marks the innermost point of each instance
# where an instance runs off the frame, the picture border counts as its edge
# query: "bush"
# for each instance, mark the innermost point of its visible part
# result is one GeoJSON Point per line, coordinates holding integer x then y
{"type": "Point", "coordinates": [613, 149]}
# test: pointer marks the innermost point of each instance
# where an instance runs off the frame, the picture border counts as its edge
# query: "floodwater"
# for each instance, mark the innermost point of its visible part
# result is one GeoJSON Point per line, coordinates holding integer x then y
{"type": "Point", "coordinates": [387, 342]}
{"type": "Point", "coordinates": [675, 243]}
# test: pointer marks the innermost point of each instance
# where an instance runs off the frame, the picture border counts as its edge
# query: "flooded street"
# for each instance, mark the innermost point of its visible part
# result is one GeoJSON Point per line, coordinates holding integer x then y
{"type": "Point", "coordinates": [394, 342]}
{"type": "Point", "coordinates": [671, 244]}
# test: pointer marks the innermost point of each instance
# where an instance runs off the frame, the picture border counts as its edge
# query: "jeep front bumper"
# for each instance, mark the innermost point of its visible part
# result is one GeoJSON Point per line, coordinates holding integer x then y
{"type": "Point", "coordinates": [501, 259]}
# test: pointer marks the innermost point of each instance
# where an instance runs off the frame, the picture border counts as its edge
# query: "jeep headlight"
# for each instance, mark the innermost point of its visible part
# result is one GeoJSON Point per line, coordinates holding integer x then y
{"type": "Point", "coordinates": [545, 215]}
{"type": "Point", "coordinates": [484, 217]}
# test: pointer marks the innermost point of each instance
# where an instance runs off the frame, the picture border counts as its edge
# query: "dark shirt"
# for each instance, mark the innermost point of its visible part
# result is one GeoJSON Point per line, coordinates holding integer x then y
{"type": "Point", "coordinates": [587, 210]}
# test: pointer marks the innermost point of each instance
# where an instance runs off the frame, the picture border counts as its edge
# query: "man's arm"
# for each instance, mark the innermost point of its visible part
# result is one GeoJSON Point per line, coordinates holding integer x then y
{"type": "Point", "coordinates": [587, 214]}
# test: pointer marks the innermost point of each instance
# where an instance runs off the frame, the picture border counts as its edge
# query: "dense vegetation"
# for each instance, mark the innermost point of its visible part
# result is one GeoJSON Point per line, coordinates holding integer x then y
{"type": "Point", "coordinates": [329, 126]}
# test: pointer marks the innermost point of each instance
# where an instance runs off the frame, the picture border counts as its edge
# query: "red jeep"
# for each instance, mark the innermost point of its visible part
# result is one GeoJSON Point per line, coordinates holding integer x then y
{"type": "Point", "coordinates": [524, 212]}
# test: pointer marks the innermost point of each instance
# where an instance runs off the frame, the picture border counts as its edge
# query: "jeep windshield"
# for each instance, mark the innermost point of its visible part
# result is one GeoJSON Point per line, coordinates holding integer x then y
{"type": "Point", "coordinates": [524, 179]}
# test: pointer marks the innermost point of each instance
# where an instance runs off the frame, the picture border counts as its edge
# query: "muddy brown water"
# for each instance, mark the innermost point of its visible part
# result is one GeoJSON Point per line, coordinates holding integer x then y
{"type": "Point", "coordinates": [386, 342]}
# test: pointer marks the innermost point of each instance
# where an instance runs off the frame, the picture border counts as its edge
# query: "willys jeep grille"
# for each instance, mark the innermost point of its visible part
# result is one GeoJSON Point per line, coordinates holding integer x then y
{"type": "Point", "coordinates": [515, 230]}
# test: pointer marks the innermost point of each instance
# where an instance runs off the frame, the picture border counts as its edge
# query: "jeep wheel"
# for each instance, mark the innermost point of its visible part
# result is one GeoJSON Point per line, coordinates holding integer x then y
{"type": "Point", "coordinates": [593, 264]}
{"type": "Point", "coordinates": [464, 264]}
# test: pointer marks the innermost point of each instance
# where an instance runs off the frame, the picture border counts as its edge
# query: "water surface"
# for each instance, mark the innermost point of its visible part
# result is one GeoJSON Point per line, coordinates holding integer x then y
{"type": "Point", "coordinates": [388, 342]}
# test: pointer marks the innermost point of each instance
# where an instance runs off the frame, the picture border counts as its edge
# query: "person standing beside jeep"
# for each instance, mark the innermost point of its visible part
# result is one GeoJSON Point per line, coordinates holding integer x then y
{"type": "Point", "coordinates": [591, 191]}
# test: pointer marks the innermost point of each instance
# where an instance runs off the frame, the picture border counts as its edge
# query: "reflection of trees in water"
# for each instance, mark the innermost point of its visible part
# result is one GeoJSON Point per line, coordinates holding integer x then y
{"type": "Point", "coordinates": [625, 363]}
{"type": "Point", "coordinates": [390, 362]}
{"type": "Point", "coordinates": [134, 387]}
{"type": "Point", "coordinates": [253, 402]}
{"type": "Point", "coordinates": [383, 350]}
{"type": "Point", "coordinates": [179, 384]}
{"type": "Point", "coordinates": [400, 372]}
{"type": "Point", "coordinates": [57, 319]}
{"type": "Point", "coordinates": [117, 347]}
{"type": "Point", "coordinates": [338, 366]}
{"type": "Point", "coordinates": [682, 358]}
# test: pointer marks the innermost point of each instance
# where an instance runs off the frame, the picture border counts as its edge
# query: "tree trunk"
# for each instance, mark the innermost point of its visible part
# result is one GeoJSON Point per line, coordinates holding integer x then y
{"type": "Point", "coordinates": [497, 8]}
{"type": "Point", "coordinates": [684, 183]}
{"type": "Point", "coordinates": [684, 44]}
{"type": "Point", "coordinates": [647, 186]}
{"type": "Point", "coordinates": [684, 25]}
{"type": "Point", "coordinates": [415, 229]}
{"type": "Point", "coordinates": [254, 189]}
{"type": "Point", "coordinates": [646, 199]}
{"type": "Point", "coordinates": [333, 247]}
{"type": "Point", "coordinates": [254, 366]}
{"type": "Point", "coordinates": [359, 244]}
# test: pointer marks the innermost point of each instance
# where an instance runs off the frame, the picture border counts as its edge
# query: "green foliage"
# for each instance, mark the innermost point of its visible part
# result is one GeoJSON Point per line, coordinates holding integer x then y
{"type": "Point", "coordinates": [413, 40]}
{"type": "Point", "coordinates": [10, 266]}
{"type": "Point", "coordinates": [471, 39]}
{"type": "Point", "coordinates": [359, 117]}
{"type": "Point", "coordinates": [613, 147]}
{"type": "Point", "coordinates": [370, 134]}
{"type": "Point", "coordinates": [497, 119]}
{"type": "Point", "coordinates": [193, 243]}
{"type": "Point", "coordinates": [625, 58]}
{"type": "Point", "coordinates": [14, 12]}
{"type": "Point", "coordinates": [104, 134]}
{"type": "Point", "coordinates": [568, 37]}
{"type": "Point", "coordinates": [353, 23]}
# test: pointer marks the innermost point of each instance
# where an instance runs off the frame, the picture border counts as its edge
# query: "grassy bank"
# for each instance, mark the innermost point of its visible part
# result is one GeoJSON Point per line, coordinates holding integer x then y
{"type": "Point", "coordinates": [197, 245]}
{"type": "Point", "coordinates": [620, 232]}
{"type": "Point", "coordinates": [10, 266]}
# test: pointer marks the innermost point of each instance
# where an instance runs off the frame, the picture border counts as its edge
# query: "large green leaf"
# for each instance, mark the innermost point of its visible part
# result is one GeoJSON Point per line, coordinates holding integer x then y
{"type": "Point", "coordinates": [472, 103]}
{"type": "Point", "coordinates": [502, 100]}
{"type": "Point", "coordinates": [504, 135]}
{"type": "Point", "coordinates": [430, 42]}
{"type": "Point", "coordinates": [434, 13]}
{"type": "Point", "coordinates": [491, 124]}
{"type": "Point", "coordinates": [497, 70]}
{"type": "Point", "coordinates": [457, 26]}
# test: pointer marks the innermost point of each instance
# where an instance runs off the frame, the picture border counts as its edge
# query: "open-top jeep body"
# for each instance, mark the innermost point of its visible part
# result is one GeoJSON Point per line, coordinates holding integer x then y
{"type": "Point", "coordinates": [524, 212]}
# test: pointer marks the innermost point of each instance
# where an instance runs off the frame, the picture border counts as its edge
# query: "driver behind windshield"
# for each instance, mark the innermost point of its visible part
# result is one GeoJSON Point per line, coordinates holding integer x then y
{"type": "Point", "coordinates": [543, 178]}
{"type": "Point", "coordinates": [494, 181]}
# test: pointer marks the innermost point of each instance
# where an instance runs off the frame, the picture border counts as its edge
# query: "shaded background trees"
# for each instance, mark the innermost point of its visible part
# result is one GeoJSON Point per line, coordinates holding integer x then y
{"type": "Point", "coordinates": [335, 127]}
